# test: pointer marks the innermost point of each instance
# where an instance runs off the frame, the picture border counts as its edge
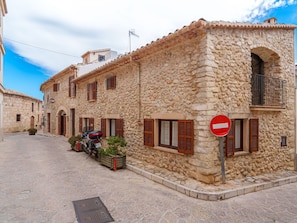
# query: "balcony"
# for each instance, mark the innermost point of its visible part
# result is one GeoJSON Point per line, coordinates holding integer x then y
{"type": "Point", "coordinates": [268, 92]}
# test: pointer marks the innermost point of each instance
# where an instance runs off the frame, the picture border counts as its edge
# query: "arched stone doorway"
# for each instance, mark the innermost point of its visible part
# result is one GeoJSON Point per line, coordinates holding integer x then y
{"type": "Point", "coordinates": [62, 123]}
{"type": "Point", "coordinates": [32, 122]}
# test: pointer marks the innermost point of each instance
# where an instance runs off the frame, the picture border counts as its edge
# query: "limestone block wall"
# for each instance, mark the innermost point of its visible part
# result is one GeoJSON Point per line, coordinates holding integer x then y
{"type": "Point", "coordinates": [232, 94]}
{"type": "Point", "coordinates": [58, 103]}
{"type": "Point", "coordinates": [14, 104]}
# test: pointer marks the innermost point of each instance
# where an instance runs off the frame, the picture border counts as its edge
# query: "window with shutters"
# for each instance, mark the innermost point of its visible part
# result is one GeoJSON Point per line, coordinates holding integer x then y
{"type": "Point", "coordinates": [71, 87]}
{"type": "Point", "coordinates": [18, 117]}
{"type": "Point", "coordinates": [56, 87]}
{"type": "Point", "coordinates": [173, 134]}
{"type": "Point", "coordinates": [86, 124]}
{"type": "Point", "coordinates": [111, 83]}
{"type": "Point", "coordinates": [242, 137]}
{"type": "Point", "coordinates": [92, 91]}
{"type": "Point", "coordinates": [112, 127]}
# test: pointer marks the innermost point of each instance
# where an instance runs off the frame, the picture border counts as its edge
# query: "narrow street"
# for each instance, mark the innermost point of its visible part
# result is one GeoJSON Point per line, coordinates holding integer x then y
{"type": "Point", "coordinates": [41, 176]}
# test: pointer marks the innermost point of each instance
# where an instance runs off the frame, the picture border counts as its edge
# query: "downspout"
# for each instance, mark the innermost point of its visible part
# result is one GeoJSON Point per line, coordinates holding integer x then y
{"type": "Point", "coordinates": [139, 89]}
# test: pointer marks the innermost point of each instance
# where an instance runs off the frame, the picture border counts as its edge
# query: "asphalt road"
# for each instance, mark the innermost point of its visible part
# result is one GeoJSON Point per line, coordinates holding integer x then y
{"type": "Point", "coordinates": [40, 177]}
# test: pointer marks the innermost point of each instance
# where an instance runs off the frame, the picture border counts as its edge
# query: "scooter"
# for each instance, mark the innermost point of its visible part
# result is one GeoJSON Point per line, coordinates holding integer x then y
{"type": "Point", "coordinates": [91, 142]}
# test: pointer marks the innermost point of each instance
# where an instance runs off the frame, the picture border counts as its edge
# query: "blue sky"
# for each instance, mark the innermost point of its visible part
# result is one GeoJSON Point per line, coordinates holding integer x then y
{"type": "Point", "coordinates": [41, 40]}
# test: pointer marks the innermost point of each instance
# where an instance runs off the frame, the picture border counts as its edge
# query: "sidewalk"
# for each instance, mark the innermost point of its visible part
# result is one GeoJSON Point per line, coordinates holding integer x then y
{"type": "Point", "coordinates": [199, 190]}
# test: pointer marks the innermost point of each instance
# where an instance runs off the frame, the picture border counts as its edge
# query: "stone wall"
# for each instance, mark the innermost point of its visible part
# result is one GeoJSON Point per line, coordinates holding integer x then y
{"type": "Point", "coordinates": [14, 104]}
{"type": "Point", "coordinates": [195, 79]}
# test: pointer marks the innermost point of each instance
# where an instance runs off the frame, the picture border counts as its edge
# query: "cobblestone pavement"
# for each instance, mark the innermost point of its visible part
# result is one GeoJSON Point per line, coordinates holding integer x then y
{"type": "Point", "coordinates": [40, 177]}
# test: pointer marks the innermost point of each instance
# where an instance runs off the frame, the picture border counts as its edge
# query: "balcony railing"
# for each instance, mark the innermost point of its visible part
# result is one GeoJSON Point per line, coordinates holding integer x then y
{"type": "Point", "coordinates": [268, 91]}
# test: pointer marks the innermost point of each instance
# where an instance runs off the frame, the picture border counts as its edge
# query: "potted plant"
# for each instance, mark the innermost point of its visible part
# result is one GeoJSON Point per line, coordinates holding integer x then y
{"type": "Point", "coordinates": [74, 142]}
{"type": "Point", "coordinates": [32, 131]}
{"type": "Point", "coordinates": [113, 156]}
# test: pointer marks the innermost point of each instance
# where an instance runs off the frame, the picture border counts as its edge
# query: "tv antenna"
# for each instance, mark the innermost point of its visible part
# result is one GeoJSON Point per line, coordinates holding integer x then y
{"type": "Point", "coordinates": [131, 33]}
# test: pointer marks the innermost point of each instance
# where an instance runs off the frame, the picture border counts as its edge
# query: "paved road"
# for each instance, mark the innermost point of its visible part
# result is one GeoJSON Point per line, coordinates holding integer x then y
{"type": "Point", "coordinates": [40, 177]}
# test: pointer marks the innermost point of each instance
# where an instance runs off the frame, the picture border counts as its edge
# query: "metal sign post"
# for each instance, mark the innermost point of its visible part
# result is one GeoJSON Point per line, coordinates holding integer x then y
{"type": "Point", "coordinates": [220, 126]}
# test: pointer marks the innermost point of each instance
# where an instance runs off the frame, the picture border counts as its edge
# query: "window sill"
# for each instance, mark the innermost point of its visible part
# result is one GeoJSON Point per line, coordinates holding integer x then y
{"type": "Point", "coordinates": [267, 108]}
{"type": "Point", "coordinates": [241, 153]}
{"type": "Point", "coordinates": [167, 150]}
{"type": "Point", "coordinates": [92, 100]}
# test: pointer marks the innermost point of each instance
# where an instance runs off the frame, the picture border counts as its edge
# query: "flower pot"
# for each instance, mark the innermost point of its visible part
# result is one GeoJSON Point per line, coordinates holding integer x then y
{"type": "Point", "coordinates": [113, 162]}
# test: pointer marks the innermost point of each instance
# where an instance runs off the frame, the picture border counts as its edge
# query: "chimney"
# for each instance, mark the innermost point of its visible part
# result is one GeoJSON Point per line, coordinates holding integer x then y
{"type": "Point", "coordinates": [271, 20]}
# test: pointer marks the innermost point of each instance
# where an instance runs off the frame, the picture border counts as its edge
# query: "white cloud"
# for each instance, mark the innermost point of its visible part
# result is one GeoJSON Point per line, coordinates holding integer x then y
{"type": "Point", "coordinates": [74, 26]}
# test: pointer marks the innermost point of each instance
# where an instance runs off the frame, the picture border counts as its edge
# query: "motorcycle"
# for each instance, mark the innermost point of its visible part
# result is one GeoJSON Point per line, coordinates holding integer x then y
{"type": "Point", "coordinates": [91, 142]}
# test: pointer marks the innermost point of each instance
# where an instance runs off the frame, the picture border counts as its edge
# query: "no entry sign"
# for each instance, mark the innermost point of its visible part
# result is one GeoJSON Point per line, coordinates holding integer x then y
{"type": "Point", "coordinates": [220, 125]}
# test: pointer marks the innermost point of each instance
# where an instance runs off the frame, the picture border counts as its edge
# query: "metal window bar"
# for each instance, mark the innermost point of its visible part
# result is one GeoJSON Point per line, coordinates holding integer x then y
{"type": "Point", "coordinates": [268, 91]}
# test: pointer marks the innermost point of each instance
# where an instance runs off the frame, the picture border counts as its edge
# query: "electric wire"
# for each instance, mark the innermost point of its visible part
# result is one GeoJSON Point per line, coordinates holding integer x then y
{"type": "Point", "coordinates": [41, 48]}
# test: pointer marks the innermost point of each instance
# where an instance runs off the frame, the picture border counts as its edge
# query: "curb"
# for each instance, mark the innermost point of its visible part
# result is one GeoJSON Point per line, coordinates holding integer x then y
{"type": "Point", "coordinates": [212, 196]}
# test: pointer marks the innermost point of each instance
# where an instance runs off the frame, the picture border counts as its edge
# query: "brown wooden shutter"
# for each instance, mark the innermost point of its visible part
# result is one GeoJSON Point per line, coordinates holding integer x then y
{"type": "Point", "coordinates": [94, 90]}
{"type": "Point", "coordinates": [88, 91]}
{"type": "Point", "coordinates": [114, 82]}
{"type": "Point", "coordinates": [148, 133]}
{"type": "Point", "coordinates": [69, 85]}
{"type": "Point", "coordinates": [254, 135]}
{"type": "Point", "coordinates": [55, 87]}
{"type": "Point", "coordinates": [119, 125]}
{"type": "Point", "coordinates": [103, 127]}
{"type": "Point", "coordinates": [186, 136]}
{"type": "Point", "coordinates": [91, 123]}
{"type": "Point", "coordinates": [230, 141]}
{"type": "Point", "coordinates": [80, 125]}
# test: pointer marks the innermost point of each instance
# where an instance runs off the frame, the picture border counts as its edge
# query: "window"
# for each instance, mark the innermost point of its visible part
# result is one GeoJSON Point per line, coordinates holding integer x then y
{"type": "Point", "coordinates": [101, 58]}
{"type": "Point", "coordinates": [56, 87]}
{"type": "Point", "coordinates": [112, 127]}
{"type": "Point", "coordinates": [86, 124]}
{"type": "Point", "coordinates": [111, 83]}
{"type": "Point", "coordinates": [18, 117]}
{"type": "Point", "coordinates": [168, 133]}
{"type": "Point", "coordinates": [92, 91]}
{"type": "Point", "coordinates": [71, 87]}
{"type": "Point", "coordinates": [243, 136]}
{"type": "Point", "coordinates": [32, 107]}
{"type": "Point", "coordinates": [175, 134]}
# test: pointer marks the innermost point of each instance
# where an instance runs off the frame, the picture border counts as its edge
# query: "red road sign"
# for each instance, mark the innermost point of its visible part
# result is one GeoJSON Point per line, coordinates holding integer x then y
{"type": "Point", "coordinates": [220, 125]}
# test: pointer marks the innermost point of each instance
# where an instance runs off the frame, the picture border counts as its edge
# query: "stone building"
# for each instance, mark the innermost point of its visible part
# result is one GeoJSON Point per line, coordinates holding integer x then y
{"type": "Point", "coordinates": [60, 92]}
{"type": "Point", "coordinates": [162, 97]}
{"type": "Point", "coordinates": [3, 11]}
{"type": "Point", "coordinates": [21, 112]}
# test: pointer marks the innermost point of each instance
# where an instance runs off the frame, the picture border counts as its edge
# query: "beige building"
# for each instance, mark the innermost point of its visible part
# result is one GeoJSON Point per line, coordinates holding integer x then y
{"type": "Point", "coordinates": [21, 112]}
{"type": "Point", "coordinates": [60, 92]}
{"type": "Point", "coordinates": [3, 11]}
{"type": "Point", "coordinates": [162, 97]}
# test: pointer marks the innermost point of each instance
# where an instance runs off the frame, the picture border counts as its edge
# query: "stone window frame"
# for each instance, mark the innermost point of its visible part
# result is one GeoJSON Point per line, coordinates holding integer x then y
{"type": "Point", "coordinates": [18, 117]}
{"type": "Point", "coordinates": [249, 136]}
{"type": "Point", "coordinates": [151, 133]}
{"type": "Point", "coordinates": [111, 82]}
{"type": "Point", "coordinates": [92, 91]}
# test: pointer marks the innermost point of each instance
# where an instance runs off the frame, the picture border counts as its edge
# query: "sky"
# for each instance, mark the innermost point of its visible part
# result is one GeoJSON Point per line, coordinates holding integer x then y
{"type": "Point", "coordinates": [42, 38]}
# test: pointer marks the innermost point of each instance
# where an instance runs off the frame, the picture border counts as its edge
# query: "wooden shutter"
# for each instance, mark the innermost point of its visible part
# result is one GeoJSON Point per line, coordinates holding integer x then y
{"type": "Point", "coordinates": [230, 141]}
{"type": "Point", "coordinates": [70, 86]}
{"type": "Point", "coordinates": [119, 128]}
{"type": "Point", "coordinates": [254, 135]}
{"type": "Point", "coordinates": [103, 127]}
{"type": "Point", "coordinates": [55, 87]}
{"type": "Point", "coordinates": [148, 132]}
{"type": "Point", "coordinates": [91, 123]}
{"type": "Point", "coordinates": [80, 125]}
{"type": "Point", "coordinates": [88, 91]}
{"type": "Point", "coordinates": [186, 136]}
{"type": "Point", "coordinates": [113, 82]}
{"type": "Point", "coordinates": [94, 90]}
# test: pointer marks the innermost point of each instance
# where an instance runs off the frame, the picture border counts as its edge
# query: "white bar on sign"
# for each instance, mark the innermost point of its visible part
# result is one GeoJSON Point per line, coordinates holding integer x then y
{"type": "Point", "coordinates": [220, 125]}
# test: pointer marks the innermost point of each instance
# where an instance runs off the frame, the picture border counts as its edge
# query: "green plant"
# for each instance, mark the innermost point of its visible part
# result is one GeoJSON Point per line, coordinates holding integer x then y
{"type": "Point", "coordinates": [73, 139]}
{"type": "Point", "coordinates": [114, 144]}
{"type": "Point", "coordinates": [32, 131]}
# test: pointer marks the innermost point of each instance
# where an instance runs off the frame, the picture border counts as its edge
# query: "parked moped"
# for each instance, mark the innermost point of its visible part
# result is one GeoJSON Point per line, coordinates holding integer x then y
{"type": "Point", "coordinates": [91, 142]}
